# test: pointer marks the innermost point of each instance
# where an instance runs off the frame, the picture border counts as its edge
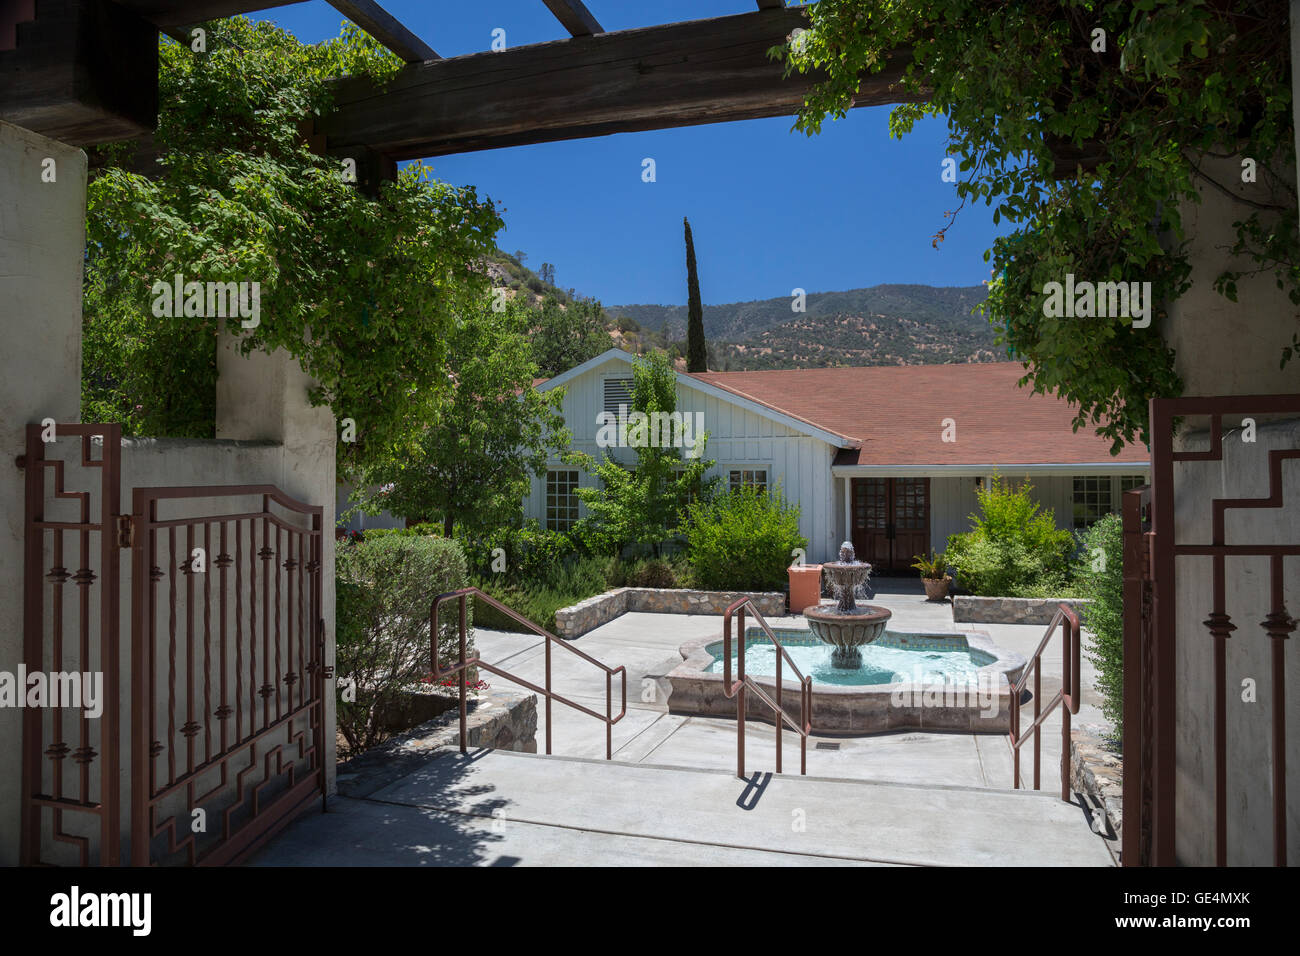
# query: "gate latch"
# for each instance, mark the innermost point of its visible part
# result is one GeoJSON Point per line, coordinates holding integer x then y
{"type": "Point", "coordinates": [125, 531]}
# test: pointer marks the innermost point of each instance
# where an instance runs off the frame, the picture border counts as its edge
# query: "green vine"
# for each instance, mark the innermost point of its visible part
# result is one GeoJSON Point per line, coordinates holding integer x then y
{"type": "Point", "coordinates": [1026, 83]}
{"type": "Point", "coordinates": [365, 292]}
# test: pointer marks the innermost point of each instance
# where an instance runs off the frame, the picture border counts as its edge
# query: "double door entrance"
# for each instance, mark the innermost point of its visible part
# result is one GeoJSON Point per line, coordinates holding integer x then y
{"type": "Point", "coordinates": [891, 520]}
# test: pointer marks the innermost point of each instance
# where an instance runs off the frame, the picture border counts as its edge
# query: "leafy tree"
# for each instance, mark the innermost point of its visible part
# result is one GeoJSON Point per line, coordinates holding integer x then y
{"type": "Point", "coordinates": [697, 359]}
{"type": "Point", "coordinates": [1166, 85]}
{"type": "Point", "coordinates": [567, 335]}
{"type": "Point", "coordinates": [1099, 574]}
{"type": "Point", "coordinates": [363, 292]}
{"type": "Point", "coordinates": [642, 505]}
{"type": "Point", "coordinates": [471, 466]}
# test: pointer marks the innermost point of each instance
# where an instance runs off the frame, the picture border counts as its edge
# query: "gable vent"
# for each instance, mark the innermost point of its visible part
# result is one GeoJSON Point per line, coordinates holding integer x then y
{"type": "Point", "coordinates": [618, 391]}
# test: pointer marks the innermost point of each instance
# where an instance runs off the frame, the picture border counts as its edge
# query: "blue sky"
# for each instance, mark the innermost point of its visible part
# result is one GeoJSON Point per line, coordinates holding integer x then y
{"type": "Point", "coordinates": [771, 209]}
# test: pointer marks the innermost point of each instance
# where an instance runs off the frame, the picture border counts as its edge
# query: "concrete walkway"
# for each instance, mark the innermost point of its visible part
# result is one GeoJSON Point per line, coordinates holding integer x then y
{"type": "Point", "coordinates": [647, 645]}
{"type": "Point", "coordinates": [671, 797]}
{"type": "Point", "coordinates": [494, 808]}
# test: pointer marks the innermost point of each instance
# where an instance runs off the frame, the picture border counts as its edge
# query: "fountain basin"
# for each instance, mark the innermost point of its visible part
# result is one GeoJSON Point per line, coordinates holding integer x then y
{"type": "Point", "coordinates": [972, 698]}
{"type": "Point", "coordinates": [847, 631]}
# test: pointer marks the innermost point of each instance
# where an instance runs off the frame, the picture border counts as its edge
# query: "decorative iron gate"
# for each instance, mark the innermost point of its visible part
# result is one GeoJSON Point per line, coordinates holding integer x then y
{"type": "Point", "coordinates": [1151, 639]}
{"type": "Point", "coordinates": [70, 808]}
{"type": "Point", "coordinates": [226, 667]}
{"type": "Point", "coordinates": [226, 675]}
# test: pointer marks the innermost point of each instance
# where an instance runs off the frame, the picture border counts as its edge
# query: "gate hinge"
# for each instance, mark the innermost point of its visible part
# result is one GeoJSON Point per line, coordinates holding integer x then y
{"type": "Point", "coordinates": [327, 670]}
{"type": "Point", "coordinates": [125, 531]}
{"type": "Point", "coordinates": [1148, 556]}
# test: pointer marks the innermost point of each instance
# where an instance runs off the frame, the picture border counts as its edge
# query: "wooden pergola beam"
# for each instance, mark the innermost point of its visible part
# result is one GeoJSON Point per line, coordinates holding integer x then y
{"type": "Point", "coordinates": [385, 28]}
{"type": "Point", "coordinates": [680, 74]}
{"type": "Point", "coordinates": [575, 17]}
{"type": "Point", "coordinates": [182, 13]}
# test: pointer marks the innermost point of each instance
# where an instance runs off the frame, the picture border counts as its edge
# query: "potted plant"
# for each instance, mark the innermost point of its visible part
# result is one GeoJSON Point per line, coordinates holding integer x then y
{"type": "Point", "coordinates": [934, 575]}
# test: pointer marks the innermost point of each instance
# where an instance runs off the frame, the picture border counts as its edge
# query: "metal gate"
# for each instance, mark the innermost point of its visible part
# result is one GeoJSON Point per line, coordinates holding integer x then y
{"type": "Point", "coordinates": [1152, 565]}
{"type": "Point", "coordinates": [70, 807]}
{"type": "Point", "coordinates": [225, 676]}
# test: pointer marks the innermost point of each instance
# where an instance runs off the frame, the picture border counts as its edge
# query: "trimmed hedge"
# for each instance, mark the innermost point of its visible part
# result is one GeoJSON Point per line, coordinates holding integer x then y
{"type": "Point", "coordinates": [384, 588]}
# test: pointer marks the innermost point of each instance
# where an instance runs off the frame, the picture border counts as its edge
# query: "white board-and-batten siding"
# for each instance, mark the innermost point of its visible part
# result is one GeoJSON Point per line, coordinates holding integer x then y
{"type": "Point", "coordinates": [738, 437]}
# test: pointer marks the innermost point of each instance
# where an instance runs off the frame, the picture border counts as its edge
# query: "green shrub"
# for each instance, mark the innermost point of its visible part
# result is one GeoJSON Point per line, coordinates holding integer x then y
{"type": "Point", "coordinates": [531, 553]}
{"type": "Point", "coordinates": [652, 573]}
{"type": "Point", "coordinates": [559, 585]}
{"type": "Point", "coordinates": [1014, 548]}
{"type": "Point", "coordinates": [1099, 575]}
{"type": "Point", "coordinates": [742, 540]}
{"type": "Point", "coordinates": [424, 529]}
{"type": "Point", "coordinates": [383, 591]}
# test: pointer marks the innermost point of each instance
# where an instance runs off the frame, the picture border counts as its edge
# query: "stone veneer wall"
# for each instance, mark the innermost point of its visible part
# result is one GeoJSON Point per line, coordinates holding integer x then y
{"type": "Point", "coordinates": [1008, 610]}
{"type": "Point", "coordinates": [594, 611]}
{"type": "Point", "coordinates": [1098, 772]}
{"type": "Point", "coordinates": [498, 718]}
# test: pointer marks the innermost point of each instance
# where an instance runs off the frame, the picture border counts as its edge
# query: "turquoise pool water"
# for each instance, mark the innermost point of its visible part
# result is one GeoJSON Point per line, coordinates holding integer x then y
{"type": "Point", "coordinates": [895, 658]}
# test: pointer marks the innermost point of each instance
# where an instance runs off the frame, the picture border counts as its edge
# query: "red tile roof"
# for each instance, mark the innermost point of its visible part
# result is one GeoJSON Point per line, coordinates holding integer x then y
{"type": "Point", "coordinates": [896, 412]}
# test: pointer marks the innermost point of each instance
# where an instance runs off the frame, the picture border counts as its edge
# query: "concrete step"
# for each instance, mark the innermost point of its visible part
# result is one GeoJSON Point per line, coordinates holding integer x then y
{"type": "Point", "coordinates": [494, 806]}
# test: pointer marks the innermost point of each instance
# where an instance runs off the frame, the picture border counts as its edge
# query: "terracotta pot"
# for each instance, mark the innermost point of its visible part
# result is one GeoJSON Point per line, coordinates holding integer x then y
{"type": "Point", "coordinates": [936, 589]}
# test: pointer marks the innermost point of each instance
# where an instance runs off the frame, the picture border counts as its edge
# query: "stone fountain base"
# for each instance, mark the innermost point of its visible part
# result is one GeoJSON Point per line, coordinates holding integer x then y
{"type": "Point", "coordinates": [847, 632]}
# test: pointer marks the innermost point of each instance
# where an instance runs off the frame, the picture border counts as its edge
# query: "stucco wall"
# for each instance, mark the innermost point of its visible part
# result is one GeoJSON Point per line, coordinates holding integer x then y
{"type": "Point", "coordinates": [1226, 348]}
{"type": "Point", "coordinates": [262, 404]}
{"type": "Point", "coordinates": [1242, 473]}
{"type": "Point", "coordinates": [42, 241]}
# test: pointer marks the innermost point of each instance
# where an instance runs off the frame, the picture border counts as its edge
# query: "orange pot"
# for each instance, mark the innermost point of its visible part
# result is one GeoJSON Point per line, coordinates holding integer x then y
{"type": "Point", "coordinates": [805, 586]}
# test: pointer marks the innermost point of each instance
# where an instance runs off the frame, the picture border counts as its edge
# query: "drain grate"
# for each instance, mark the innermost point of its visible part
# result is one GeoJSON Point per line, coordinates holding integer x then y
{"type": "Point", "coordinates": [826, 745]}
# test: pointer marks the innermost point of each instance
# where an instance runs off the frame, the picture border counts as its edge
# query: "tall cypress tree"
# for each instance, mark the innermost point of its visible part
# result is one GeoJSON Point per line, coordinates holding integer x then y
{"type": "Point", "coordinates": [697, 359]}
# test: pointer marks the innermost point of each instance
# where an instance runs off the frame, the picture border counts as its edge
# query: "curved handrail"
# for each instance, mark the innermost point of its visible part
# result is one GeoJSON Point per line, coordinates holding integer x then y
{"type": "Point", "coordinates": [738, 687]}
{"type": "Point", "coordinates": [464, 663]}
{"type": "Point", "coordinates": [1068, 694]}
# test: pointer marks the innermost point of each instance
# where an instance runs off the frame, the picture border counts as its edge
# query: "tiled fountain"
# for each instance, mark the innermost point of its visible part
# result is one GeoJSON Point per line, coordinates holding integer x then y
{"type": "Point", "coordinates": [867, 678]}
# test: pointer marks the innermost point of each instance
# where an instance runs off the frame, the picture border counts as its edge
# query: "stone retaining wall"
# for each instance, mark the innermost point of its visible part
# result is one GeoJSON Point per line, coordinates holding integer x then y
{"type": "Point", "coordinates": [967, 608]}
{"type": "Point", "coordinates": [501, 719]}
{"type": "Point", "coordinates": [1098, 772]}
{"type": "Point", "coordinates": [594, 611]}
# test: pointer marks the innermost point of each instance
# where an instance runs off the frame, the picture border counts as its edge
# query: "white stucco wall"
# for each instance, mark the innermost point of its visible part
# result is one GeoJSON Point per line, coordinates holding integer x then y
{"type": "Point", "coordinates": [1225, 348]}
{"type": "Point", "coordinates": [42, 242]}
{"type": "Point", "coordinates": [1242, 473]}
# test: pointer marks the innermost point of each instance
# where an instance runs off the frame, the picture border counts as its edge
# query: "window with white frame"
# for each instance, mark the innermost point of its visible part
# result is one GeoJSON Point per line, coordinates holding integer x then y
{"type": "Point", "coordinates": [561, 500]}
{"type": "Point", "coordinates": [618, 391]}
{"type": "Point", "coordinates": [747, 478]}
{"type": "Point", "coordinates": [1092, 499]}
{"type": "Point", "coordinates": [1129, 482]}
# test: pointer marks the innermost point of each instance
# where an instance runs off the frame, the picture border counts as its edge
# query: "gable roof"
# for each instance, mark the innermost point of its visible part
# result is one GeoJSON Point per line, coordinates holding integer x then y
{"type": "Point", "coordinates": [792, 420]}
{"type": "Point", "coordinates": [895, 414]}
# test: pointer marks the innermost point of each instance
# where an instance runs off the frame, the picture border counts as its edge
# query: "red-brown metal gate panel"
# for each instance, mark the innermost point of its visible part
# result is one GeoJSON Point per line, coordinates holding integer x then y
{"type": "Point", "coordinates": [227, 670]}
{"type": "Point", "coordinates": [70, 799]}
{"type": "Point", "coordinates": [1150, 638]}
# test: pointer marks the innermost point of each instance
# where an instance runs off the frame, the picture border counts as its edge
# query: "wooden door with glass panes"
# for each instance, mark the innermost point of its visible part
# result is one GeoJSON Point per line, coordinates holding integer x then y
{"type": "Point", "coordinates": [891, 520]}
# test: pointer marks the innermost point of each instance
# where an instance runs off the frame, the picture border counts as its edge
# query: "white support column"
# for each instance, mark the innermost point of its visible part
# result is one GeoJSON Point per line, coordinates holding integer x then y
{"type": "Point", "coordinates": [42, 250]}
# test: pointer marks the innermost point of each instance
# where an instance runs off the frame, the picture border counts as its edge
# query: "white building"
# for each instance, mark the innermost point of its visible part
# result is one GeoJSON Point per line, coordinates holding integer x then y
{"type": "Point", "coordinates": [888, 457]}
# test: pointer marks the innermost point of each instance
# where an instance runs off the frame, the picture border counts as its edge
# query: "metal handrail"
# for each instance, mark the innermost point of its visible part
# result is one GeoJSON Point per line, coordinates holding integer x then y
{"type": "Point", "coordinates": [737, 689]}
{"type": "Point", "coordinates": [464, 663]}
{"type": "Point", "coordinates": [1068, 694]}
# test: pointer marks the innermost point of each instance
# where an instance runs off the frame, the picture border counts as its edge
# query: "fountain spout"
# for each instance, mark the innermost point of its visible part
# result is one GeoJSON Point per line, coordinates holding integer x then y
{"type": "Point", "coordinates": [847, 627]}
